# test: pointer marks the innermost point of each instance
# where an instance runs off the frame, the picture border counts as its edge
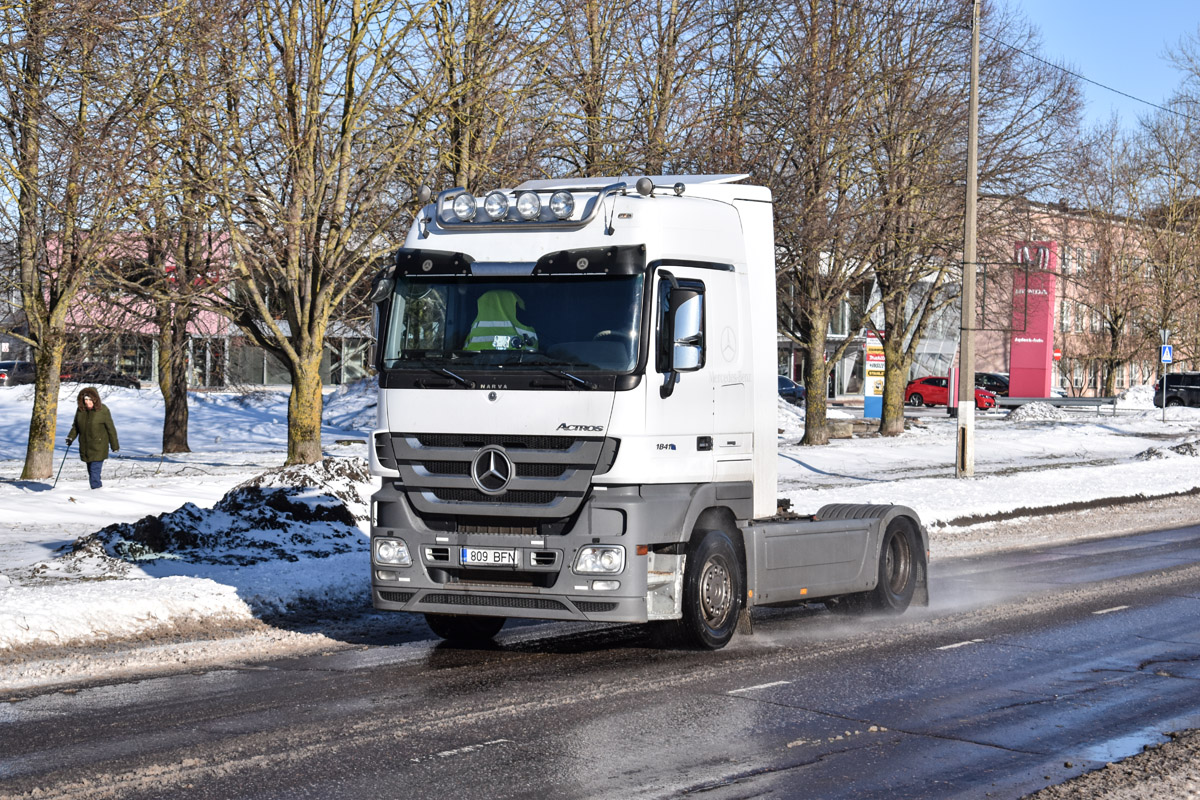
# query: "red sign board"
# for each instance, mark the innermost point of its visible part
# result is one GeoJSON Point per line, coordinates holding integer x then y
{"type": "Point", "coordinates": [1032, 341]}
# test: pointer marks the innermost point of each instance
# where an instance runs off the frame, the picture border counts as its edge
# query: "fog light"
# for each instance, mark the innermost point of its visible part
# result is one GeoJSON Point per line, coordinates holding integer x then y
{"type": "Point", "coordinates": [562, 204]}
{"type": "Point", "coordinates": [529, 206]}
{"type": "Point", "coordinates": [385, 575]}
{"type": "Point", "coordinates": [392, 551]}
{"type": "Point", "coordinates": [601, 559]}
{"type": "Point", "coordinates": [464, 207]}
{"type": "Point", "coordinates": [606, 586]}
{"type": "Point", "coordinates": [496, 205]}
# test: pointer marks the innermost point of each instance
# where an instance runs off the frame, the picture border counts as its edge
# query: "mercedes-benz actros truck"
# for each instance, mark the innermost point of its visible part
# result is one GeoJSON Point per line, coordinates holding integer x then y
{"type": "Point", "coordinates": [577, 419]}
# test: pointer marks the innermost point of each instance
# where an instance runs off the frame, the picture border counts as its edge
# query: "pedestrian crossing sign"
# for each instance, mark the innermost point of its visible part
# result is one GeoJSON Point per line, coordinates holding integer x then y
{"type": "Point", "coordinates": [1167, 354]}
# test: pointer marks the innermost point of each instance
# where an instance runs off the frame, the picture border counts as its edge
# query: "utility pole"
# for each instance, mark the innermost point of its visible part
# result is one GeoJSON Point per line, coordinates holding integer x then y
{"type": "Point", "coordinates": [964, 463]}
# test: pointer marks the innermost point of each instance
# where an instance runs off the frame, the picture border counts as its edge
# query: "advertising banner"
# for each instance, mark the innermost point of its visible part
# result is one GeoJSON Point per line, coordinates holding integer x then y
{"type": "Point", "coordinates": [1032, 345]}
{"type": "Point", "coordinates": [873, 372]}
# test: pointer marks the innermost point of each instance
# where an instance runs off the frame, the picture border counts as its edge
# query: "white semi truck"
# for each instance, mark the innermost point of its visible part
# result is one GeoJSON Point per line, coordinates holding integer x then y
{"type": "Point", "coordinates": [577, 419]}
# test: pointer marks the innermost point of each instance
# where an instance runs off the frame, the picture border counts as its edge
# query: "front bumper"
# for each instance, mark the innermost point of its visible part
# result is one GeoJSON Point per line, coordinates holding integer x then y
{"type": "Point", "coordinates": [541, 584]}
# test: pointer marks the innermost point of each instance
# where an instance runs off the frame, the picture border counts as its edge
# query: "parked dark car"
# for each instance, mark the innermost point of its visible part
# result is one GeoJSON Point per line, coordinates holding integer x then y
{"type": "Point", "coordinates": [994, 382]}
{"type": "Point", "coordinates": [934, 390]}
{"type": "Point", "coordinates": [791, 391]}
{"type": "Point", "coordinates": [15, 373]}
{"type": "Point", "coordinates": [91, 372]}
{"type": "Point", "coordinates": [1183, 389]}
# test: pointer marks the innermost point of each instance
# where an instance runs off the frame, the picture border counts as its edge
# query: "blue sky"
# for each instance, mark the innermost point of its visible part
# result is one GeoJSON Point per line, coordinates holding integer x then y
{"type": "Point", "coordinates": [1118, 43]}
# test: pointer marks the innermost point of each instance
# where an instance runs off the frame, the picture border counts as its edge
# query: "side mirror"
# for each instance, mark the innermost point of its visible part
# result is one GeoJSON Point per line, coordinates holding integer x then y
{"type": "Point", "coordinates": [681, 332]}
{"type": "Point", "coordinates": [688, 330]}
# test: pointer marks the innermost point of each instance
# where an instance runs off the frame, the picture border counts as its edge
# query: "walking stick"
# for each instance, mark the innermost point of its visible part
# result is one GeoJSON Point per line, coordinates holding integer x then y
{"type": "Point", "coordinates": [61, 463]}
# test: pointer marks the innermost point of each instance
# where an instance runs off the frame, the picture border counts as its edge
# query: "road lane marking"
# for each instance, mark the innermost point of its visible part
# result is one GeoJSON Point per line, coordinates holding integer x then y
{"type": "Point", "coordinates": [960, 644]}
{"type": "Point", "coordinates": [1110, 610]}
{"type": "Point", "coordinates": [461, 751]}
{"type": "Point", "coordinates": [760, 686]}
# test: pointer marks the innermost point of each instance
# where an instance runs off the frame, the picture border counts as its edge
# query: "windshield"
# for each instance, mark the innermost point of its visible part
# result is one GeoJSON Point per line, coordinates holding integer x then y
{"type": "Point", "coordinates": [580, 323]}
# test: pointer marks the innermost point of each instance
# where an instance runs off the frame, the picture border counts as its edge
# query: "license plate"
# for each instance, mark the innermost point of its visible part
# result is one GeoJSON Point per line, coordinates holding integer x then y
{"type": "Point", "coordinates": [487, 557]}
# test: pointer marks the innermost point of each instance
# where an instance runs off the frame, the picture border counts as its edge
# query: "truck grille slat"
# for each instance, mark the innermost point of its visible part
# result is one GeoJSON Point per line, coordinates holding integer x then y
{"type": "Point", "coordinates": [494, 601]}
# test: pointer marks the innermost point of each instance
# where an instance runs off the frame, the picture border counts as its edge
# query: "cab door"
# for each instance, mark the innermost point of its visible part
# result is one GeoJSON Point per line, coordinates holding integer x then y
{"type": "Point", "coordinates": [680, 390]}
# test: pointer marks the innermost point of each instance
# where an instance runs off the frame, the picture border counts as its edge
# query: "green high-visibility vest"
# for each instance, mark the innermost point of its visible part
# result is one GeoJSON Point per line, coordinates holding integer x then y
{"type": "Point", "coordinates": [496, 326]}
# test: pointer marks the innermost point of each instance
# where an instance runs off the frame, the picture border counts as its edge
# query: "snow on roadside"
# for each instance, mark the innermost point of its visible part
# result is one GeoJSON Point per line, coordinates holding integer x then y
{"type": "Point", "coordinates": [289, 538]}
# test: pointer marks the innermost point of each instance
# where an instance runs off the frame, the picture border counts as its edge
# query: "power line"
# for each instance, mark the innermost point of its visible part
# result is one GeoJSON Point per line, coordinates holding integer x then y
{"type": "Point", "coordinates": [1086, 79]}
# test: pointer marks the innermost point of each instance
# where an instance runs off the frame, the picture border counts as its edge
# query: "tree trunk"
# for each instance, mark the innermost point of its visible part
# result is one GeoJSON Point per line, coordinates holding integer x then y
{"type": "Point", "coordinates": [39, 452]}
{"type": "Point", "coordinates": [816, 379]}
{"type": "Point", "coordinates": [173, 381]}
{"type": "Point", "coordinates": [304, 412]}
{"type": "Point", "coordinates": [895, 371]}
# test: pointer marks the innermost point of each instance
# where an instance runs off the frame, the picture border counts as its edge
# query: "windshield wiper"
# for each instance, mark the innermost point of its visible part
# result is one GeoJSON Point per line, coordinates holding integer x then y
{"type": "Point", "coordinates": [578, 381]}
{"type": "Point", "coordinates": [447, 373]}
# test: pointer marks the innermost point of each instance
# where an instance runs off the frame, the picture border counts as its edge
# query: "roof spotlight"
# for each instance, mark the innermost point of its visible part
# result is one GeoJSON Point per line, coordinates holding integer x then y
{"type": "Point", "coordinates": [464, 207]}
{"type": "Point", "coordinates": [496, 205]}
{"type": "Point", "coordinates": [562, 204]}
{"type": "Point", "coordinates": [529, 205]}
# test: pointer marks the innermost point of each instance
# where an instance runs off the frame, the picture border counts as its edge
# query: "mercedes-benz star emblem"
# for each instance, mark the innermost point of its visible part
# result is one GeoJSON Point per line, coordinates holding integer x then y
{"type": "Point", "coordinates": [491, 470]}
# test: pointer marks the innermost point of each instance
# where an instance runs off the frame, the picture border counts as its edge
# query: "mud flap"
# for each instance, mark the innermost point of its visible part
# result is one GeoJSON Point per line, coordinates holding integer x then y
{"type": "Point", "coordinates": [745, 626]}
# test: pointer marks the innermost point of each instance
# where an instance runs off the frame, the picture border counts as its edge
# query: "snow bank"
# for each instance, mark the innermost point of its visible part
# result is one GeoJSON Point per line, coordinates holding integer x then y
{"type": "Point", "coordinates": [285, 539]}
{"type": "Point", "coordinates": [1037, 412]}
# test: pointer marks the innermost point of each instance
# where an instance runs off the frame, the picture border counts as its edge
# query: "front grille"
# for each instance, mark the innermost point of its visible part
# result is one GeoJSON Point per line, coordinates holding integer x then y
{"type": "Point", "coordinates": [494, 601]}
{"type": "Point", "coordinates": [593, 607]}
{"type": "Point", "coordinates": [520, 530]}
{"type": "Point", "coordinates": [475, 496]}
{"type": "Point", "coordinates": [550, 475]}
{"type": "Point", "coordinates": [396, 597]}
{"type": "Point", "coordinates": [541, 470]}
{"type": "Point", "coordinates": [475, 441]}
{"type": "Point", "coordinates": [447, 467]}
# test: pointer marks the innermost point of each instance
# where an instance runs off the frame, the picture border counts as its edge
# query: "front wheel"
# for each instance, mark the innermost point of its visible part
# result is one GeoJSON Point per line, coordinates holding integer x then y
{"type": "Point", "coordinates": [713, 591]}
{"type": "Point", "coordinates": [464, 629]}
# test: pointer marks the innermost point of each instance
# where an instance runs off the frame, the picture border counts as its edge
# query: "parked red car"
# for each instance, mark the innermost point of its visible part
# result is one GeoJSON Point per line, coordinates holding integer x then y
{"type": "Point", "coordinates": [935, 391]}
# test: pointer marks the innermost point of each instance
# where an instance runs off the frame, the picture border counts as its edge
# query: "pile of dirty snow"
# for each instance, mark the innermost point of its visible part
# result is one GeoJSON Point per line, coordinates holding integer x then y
{"type": "Point", "coordinates": [1140, 397]}
{"type": "Point", "coordinates": [1037, 412]}
{"type": "Point", "coordinates": [300, 512]}
{"type": "Point", "coordinates": [1189, 448]}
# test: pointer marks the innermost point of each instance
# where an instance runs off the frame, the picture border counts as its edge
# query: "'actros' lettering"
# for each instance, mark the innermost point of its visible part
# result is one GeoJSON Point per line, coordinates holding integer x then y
{"type": "Point", "coordinates": [589, 428]}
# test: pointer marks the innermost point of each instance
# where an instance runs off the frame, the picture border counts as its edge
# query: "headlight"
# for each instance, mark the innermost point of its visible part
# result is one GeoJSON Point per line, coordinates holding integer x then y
{"type": "Point", "coordinates": [529, 205]}
{"type": "Point", "coordinates": [464, 206]}
{"type": "Point", "coordinates": [496, 205]}
{"type": "Point", "coordinates": [562, 204]}
{"type": "Point", "coordinates": [392, 551]}
{"type": "Point", "coordinates": [600, 560]}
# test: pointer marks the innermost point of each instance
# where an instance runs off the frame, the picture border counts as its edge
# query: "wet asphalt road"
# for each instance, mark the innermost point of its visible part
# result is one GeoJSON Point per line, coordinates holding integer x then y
{"type": "Point", "coordinates": [1024, 663]}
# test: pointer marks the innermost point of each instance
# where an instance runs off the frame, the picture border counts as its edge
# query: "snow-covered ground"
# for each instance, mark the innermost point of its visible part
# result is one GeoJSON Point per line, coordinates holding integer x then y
{"type": "Point", "coordinates": [224, 536]}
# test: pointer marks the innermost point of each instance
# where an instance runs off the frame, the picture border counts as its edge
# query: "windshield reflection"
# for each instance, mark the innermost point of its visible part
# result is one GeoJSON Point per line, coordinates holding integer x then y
{"type": "Point", "coordinates": [580, 323]}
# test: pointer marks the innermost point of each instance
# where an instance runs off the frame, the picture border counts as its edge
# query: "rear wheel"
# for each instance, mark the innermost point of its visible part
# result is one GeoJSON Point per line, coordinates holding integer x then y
{"type": "Point", "coordinates": [1172, 402]}
{"type": "Point", "coordinates": [899, 563]}
{"type": "Point", "coordinates": [915, 399]}
{"type": "Point", "coordinates": [466, 629]}
{"type": "Point", "coordinates": [713, 590]}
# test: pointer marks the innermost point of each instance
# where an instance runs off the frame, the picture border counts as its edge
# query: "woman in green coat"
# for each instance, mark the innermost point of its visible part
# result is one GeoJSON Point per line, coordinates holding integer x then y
{"type": "Point", "coordinates": [94, 427]}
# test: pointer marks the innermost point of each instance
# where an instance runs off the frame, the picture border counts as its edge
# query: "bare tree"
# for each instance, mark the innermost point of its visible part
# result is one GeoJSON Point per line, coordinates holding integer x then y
{"type": "Point", "coordinates": [811, 108]}
{"type": "Point", "coordinates": [319, 122]}
{"type": "Point", "coordinates": [74, 120]}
